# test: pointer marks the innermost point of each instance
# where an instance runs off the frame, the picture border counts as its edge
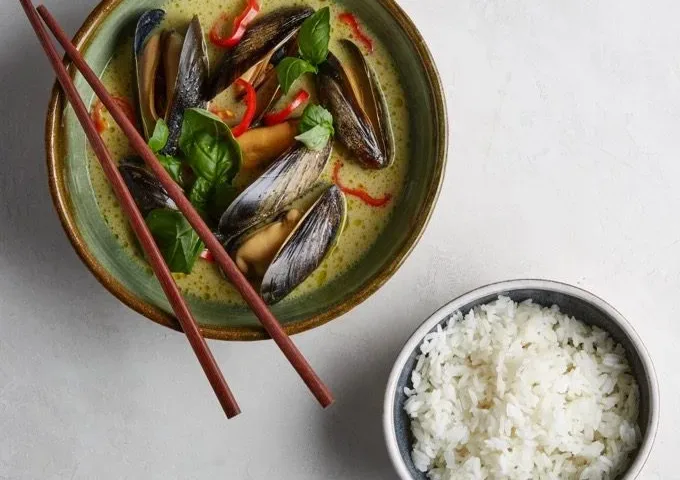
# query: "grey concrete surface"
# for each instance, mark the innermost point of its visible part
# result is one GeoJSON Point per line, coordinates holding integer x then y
{"type": "Point", "coordinates": [564, 164]}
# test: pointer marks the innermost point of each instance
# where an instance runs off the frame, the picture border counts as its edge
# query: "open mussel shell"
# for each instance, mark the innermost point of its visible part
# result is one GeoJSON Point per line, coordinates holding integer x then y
{"type": "Point", "coordinates": [147, 24]}
{"type": "Point", "coordinates": [189, 89]}
{"type": "Point", "coordinates": [352, 93]}
{"type": "Point", "coordinates": [263, 38]}
{"type": "Point", "coordinates": [288, 178]}
{"type": "Point", "coordinates": [313, 238]}
{"type": "Point", "coordinates": [170, 74]}
{"type": "Point", "coordinates": [145, 188]}
{"type": "Point", "coordinates": [147, 53]}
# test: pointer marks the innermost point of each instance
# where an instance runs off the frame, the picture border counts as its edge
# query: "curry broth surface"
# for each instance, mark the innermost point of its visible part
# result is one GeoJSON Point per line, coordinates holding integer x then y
{"type": "Point", "coordinates": [364, 223]}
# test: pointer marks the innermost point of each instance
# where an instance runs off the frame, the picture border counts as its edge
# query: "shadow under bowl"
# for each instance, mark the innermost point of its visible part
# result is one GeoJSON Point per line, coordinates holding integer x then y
{"type": "Point", "coordinates": [572, 301]}
{"type": "Point", "coordinates": [132, 282]}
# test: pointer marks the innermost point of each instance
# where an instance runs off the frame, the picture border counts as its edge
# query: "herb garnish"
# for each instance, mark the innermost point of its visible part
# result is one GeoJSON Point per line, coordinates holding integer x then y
{"type": "Point", "coordinates": [157, 142]}
{"type": "Point", "coordinates": [313, 39]}
{"type": "Point", "coordinates": [175, 238]}
{"type": "Point", "coordinates": [316, 127]}
{"type": "Point", "coordinates": [212, 153]}
{"type": "Point", "coordinates": [214, 156]}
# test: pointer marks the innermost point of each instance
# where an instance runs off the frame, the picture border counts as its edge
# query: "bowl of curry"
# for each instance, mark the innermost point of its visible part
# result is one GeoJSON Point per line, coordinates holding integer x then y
{"type": "Point", "coordinates": [311, 135]}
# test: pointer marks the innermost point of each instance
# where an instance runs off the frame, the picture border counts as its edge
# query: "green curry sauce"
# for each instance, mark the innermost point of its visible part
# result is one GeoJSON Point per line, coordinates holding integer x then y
{"type": "Point", "coordinates": [365, 223]}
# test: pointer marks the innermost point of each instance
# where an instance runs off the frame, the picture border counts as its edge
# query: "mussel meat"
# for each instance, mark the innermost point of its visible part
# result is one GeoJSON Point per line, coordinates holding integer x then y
{"type": "Point", "coordinates": [351, 92]}
{"type": "Point", "coordinates": [264, 38]}
{"type": "Point", "coordinates": [264, 144]}
{"type": "Point", "coordinates": [293, 174]}
{"type": "Point", "coordinates": [256, 252]}
{"type": "Point", "coordinates": [145, 188]}
{"type": "Point", "coordinates": [171, 74]}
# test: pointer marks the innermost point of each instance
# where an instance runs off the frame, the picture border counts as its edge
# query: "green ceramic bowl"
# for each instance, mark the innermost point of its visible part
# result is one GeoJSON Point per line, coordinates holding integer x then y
{"type": "Point", "coordinates": [75, 200]}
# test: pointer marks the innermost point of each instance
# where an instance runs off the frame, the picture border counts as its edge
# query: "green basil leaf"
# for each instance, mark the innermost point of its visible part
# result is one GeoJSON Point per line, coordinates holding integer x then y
{"type": "Point", "coordinates": [316, 115]}
{"type": "Point", "coordinates": [209, 146]}
{"type": "Point", "coordinates": [160, 136]}
{"type": "Point", "coordinates": [316, 127]}
{"type": "Point", "coordinates": [200, 194]}
{"type": "Point", "coordinates": [315, 138]}
{"type": "Point", "coordinates": [314, 36]}
{"type": "Point", "coordinates": [290, 69]}
{"type": "Point", "coordinates": [175, 238]}
{"type": "Point", "coordinates": [172, 165]}
{"type": "Point", "coordinates": [211, 151]}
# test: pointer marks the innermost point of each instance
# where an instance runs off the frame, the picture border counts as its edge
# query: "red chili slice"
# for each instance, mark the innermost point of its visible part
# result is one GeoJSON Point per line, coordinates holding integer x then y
{"type": "Point", "coordinates": [207, 256]}
{"type": "Point", "coordinates": [281, 116]}
{"type": "Point", "coordinates": [251, 107]}
{"type": "Point", "coordinates": [98, 113]}
{"type": "Point", "coordinates": [360, 193]}
{"type": "Point", "coordinates": [351, 20]}
{"type": "Point", "coordinates": [98, 116]}
{"type": "Point", "coordinates": [241, 23]}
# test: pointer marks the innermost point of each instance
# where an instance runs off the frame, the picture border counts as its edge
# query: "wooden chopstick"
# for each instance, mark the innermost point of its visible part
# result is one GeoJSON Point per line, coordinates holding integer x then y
{"type": "Point", "coordinates": [136, 219]}
{"type": "Point", "coordinates": [257, 305]}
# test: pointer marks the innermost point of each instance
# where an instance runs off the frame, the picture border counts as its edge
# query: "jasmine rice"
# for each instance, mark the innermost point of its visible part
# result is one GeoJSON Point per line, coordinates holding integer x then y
{"type": "Point", "coordinates": [521, 391]}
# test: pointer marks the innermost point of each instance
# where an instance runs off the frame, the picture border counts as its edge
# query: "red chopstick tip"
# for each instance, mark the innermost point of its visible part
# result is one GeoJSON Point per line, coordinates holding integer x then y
{"type": "Point", "coordinates": [327, 402]}
{"type": "Point", "coordinates": [231, 413]}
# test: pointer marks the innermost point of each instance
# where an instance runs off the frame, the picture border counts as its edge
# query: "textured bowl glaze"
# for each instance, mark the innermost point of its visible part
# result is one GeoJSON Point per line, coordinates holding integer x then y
{"type": "Point", "coordinates": [572, 301]}
{"type": "Point", "coordinates": [124, 277]}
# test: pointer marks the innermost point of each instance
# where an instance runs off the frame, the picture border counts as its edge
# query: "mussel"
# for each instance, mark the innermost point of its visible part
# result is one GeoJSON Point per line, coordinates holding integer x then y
{"type": "Point", "coordinates": [260, 49]}
{"type": "Point", "coordinates": [310, 242]}
{"type": "Point", "coordinates": [171, 74]}
{"type": "Point", "coordinates": [145, 188]}
{"type": "Point", "coordinates": [273, 241]}
{"type": "Point", "coordinates": [351, 92]}
{"type": "Point", "coordinates": [285, 251]}
{"type": "Point", "coordinates": [290, 176]}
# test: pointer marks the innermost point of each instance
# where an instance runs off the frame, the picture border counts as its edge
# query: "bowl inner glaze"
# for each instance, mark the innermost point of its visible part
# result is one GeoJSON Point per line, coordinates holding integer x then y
{"type": "Point", "coordinates": [133, 283]}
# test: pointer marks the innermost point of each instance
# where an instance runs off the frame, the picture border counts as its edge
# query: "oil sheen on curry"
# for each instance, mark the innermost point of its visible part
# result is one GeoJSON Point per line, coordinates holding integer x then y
{"type": "Point", "coordinates": [285, 125]}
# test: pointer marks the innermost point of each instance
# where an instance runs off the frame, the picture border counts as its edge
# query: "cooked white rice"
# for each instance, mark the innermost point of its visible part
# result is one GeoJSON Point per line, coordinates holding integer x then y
{"type": "Point", "coordinates": [521, 391]}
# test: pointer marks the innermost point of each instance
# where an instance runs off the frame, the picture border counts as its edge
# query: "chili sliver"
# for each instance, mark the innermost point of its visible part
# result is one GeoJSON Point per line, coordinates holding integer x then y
{"type": "Point", "coordinates": [98, 113]}
{"type": "Point", "coordinates": [360, 193]}
{"type": "Point", "coordinates": [207, 256]}
{"type": "Point", "coordinates": [241, 22]}
{"type": "Point", "coordinates": [278, 117]}
{"type": "Point", "coordinates": [350, 20]}
{"type": "Point", "coordinates": [251, 107]}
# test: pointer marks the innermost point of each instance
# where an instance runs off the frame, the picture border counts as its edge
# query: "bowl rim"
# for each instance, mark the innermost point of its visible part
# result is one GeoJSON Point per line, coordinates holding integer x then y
{"type": "Point", "coordinates": [54, 147]}
{"type": "Point", "coordinates": [438, 316]}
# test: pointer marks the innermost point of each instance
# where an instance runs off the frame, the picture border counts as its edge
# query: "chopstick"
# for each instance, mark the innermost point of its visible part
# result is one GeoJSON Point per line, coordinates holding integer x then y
{"type": "Point", "coordinates": [254, 301]}
{"type": "Point", "coordinates": [160, 268]}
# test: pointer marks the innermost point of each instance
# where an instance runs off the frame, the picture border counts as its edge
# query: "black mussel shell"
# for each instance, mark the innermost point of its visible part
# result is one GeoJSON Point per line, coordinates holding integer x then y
{"type": "Point", "coordinates": [190, 84]}
{"type": "Point", "coordinates": [311, 241]}
{"type": "Point", "coordinates": [292, 175]}
{"type": "Point", "coordinates": [360, 117]}
{"type": "Point", "coordinates": [145, 188]}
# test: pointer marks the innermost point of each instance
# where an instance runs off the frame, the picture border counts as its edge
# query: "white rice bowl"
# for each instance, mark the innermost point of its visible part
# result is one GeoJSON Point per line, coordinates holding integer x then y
{"type": "Point", "coordinates": [520, 391]}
